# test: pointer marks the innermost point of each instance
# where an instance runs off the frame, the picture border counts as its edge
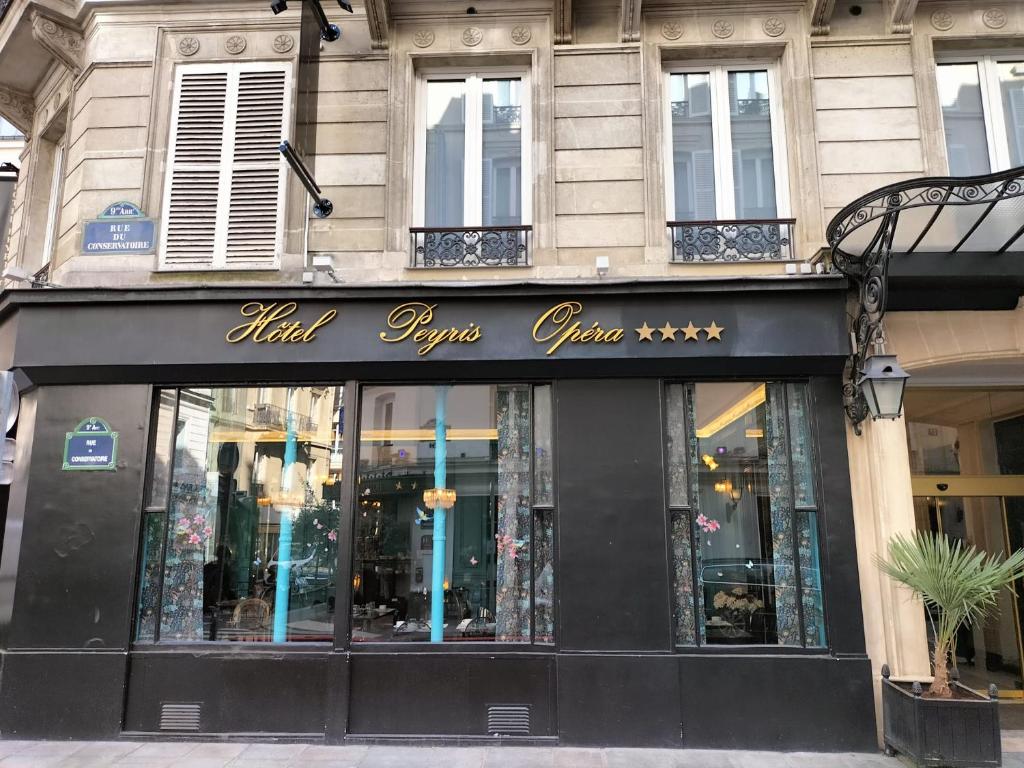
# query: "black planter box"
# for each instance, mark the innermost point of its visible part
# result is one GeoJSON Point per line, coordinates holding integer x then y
{"type": "Point", "coordinates": [954, 733]}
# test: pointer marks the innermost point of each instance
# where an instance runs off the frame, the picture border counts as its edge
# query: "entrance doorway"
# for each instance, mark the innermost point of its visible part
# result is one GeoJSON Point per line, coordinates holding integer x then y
{"type": "Point", "coordinates": [967, 463]}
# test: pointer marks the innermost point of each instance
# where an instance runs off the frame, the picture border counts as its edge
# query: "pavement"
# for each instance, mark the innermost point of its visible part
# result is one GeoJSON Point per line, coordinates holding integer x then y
{"type": "Point", "coordinates": [224, 754]}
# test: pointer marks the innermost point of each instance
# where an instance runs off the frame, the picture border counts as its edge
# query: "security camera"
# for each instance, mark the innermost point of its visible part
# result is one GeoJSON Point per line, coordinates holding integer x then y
{"type": "Point", "coordinates": [345, 6]}
{"type": "Point", "coordinates": [278, 5]}
{"type": "Point", "coordinates": [601, 263]}
{"type": "Point", "coordinates": [17, 274]}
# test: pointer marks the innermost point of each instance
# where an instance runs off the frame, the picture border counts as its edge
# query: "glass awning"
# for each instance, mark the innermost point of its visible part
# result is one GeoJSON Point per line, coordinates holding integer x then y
{"type": "Point", "coordinates": [966, 215]}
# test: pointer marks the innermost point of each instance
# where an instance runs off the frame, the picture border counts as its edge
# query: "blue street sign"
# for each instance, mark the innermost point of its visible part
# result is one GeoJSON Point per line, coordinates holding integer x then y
{"type": "Point", "coordinates": [92, 445]}
{"type": "Point", "coordinates": [121, 228]}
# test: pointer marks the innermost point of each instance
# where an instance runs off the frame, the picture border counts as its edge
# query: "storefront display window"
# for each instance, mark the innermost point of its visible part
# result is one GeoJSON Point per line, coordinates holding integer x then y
{"type": "Point", "coordinates": [454, 515]}
{"type": "Point", "coordinates": [241, 522]}
{"type": "Point", "coordinates": [742, 506]}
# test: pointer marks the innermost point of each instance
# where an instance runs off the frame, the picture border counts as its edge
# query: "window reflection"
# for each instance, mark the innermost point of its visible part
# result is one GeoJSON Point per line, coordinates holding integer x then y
{"type": "Point", "coordinates": [693, 160]}
{"type": "Point", "coordinates": [963, 119]}
{"type": "Point", "coordinates": [248, 536]}
{"type": "Point", "coordinates": [466, 572]}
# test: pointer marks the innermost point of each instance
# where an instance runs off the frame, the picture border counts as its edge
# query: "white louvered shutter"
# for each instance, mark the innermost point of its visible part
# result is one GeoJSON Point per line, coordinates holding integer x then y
{"type": "Point", "coordinates": [190, 212]}
{"type": "Point", "coordinates": [224, 197]}
{"type": "Point", "coordinates": [253, 227]}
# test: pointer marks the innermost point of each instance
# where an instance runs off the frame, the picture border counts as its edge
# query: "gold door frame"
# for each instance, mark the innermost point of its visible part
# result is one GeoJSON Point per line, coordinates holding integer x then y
{"type": "Point", "coordinates": [1000, 486]}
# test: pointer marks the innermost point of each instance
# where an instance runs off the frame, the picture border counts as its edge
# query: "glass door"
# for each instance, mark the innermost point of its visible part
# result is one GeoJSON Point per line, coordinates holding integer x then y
{"type": "Point", "coordinates": [988, 513]}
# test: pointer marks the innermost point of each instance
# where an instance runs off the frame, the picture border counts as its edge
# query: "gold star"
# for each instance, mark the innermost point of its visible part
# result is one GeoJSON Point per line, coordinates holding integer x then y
{"type": "Point", "coordinates": [668, 333]}
{"type": "Point", "coordinates": [645, 332]}
{"type": "Point", "coordinates": [713, 331]}
{"type": "Point", "coordinates": [398, 485]}
{"type": "Point", "coordinates": [691, 332]}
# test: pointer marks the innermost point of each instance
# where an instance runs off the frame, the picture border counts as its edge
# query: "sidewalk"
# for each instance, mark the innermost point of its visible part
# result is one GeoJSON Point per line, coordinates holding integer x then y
{"type": "Point", "coordinates": [109, 754]}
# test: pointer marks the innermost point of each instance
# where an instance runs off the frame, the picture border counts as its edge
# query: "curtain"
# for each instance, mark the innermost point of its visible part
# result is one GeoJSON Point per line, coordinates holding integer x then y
{"type": "Point", "coordinates": [512, 601]}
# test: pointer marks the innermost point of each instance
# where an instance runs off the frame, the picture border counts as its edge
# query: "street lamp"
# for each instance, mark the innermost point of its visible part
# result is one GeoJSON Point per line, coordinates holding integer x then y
{"type": "Point", "coordinates": [882, 382]}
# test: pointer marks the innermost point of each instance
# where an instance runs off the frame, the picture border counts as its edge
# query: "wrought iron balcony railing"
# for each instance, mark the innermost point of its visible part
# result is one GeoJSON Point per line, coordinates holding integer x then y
{"type": "Point", "coordinates": [732, 240]}
{"type": "Point", "coordinates": [276, 417]}
{"type": "Point", "coordinates": [470, 246]}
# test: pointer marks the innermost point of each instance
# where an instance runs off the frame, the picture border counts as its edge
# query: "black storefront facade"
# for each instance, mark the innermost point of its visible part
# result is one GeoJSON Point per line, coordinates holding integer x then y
{"type": "Point", "coordinates": [619, 633]}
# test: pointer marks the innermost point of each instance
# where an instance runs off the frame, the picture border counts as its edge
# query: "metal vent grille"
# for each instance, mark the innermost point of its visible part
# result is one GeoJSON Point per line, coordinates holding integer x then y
{"type": "Point", "coordinates": [508, 720]}
{"type": "Point", "coordinates": [179, 717]}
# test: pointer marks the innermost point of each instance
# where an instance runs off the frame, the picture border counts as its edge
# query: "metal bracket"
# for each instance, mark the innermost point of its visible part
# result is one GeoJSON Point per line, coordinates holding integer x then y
{"type": "Point", "coordinates": [322, 207]}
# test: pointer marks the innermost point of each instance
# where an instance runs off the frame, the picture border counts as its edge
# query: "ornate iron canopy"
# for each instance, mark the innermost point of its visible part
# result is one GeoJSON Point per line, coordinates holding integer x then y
{"type": "Point", "coordinates": [977, 215]}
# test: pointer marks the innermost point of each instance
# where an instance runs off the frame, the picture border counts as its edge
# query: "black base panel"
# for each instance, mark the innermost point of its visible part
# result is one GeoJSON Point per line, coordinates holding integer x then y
{"type": "Point", "coordinates": [794, 703]}
{"type": "Point", "coordinates": [62, 695]}
{"type": "Point", "coordinates": [618, 701]}
{"type": "Point", "coordinates": [250, 693]}
{"type": "Point", "coordinates": [431, 694]}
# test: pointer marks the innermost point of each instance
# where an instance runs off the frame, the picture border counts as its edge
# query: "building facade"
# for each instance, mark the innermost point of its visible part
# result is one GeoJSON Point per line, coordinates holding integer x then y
{"type": "Point", "coordinates": [539, 433]}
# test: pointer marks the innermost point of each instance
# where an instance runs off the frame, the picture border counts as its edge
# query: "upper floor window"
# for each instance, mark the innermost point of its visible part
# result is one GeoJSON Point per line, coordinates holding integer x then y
{"type": "Point", "coordinates": [472, 152]}
{"type": "Point", "coordinates": [224, 190]}
{"type": "Point", "coordinates": [726, 153]}
{"type": "Point", "coordinates": [982, 113]}
{"type": "Point", "coordinates": [473, 185]}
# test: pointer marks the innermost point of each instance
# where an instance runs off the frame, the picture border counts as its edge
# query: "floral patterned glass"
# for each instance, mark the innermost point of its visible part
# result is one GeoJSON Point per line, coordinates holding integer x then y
{"type": "Point", "coordinates": [495, 572]}
{"type": "Point", "coordinates": [250, 531]}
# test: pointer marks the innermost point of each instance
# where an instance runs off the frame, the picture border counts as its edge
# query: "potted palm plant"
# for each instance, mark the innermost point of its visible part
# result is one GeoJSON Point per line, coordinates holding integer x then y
{"type": "Point", "coordinates": [949, 724]}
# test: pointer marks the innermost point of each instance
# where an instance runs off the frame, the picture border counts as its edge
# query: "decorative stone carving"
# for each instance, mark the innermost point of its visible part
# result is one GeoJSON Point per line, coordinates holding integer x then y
{"type": "Point", "coordinates": [994, 18]}
{"type": "Point", "coordinates": [773, 26]}
{"type": "Point", "coordinates": [423, 38]}
{"type": "Point", "coordinates": [629, 21]}
{"type": "Point", "coordinates": [521, 34]}
{"type": "Point", "coordinates": [723, 28]}
{"type": "Point", "coordinates": [378, 19]}
{"type": "Point", "coordinates": [821, 16]}
{"type": "Point", "coordinates": [942, 20]}
{"type": "Point", "coordinates": [64, 43]}
{"type": "Point", "coordinates": [671, 30]}
{"type": "Point", "coordinates": [563, 21]}
{"type": "Point", "coordinates": [284, 43]}
{"type": "Point", "coordinates": [188, 46]}
{"type": "Point", "coordinates": [901, 21]}
{"type": "Point", "coordinates": [235, 44]}
{"type": "Point", "coordinates": [18, 109]}
{"type": "Point", "coordinates": [472, 36]}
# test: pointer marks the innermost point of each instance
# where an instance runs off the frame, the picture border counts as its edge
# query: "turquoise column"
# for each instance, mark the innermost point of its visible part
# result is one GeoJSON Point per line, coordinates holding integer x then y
{"type": "Point", "coordinates": [282, 591]}
{"type": "Point", "coordinates": [440, 521]}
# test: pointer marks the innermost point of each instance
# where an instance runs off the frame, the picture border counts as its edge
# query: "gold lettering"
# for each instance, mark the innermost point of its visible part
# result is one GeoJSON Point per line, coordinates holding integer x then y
{"type": "Point", "coordinates": [263, 315]}
{"type": "Point", "coordinates": [410, 321]}
{"type": "Point", "coordinates": [557, 324]}
{"type": "Point", "coordinates": [405, 318]}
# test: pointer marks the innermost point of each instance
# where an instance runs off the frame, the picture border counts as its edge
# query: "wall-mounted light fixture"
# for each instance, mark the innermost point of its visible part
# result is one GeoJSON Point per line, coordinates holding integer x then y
{"type": "Point", "coordinates": [882, 383]}
{"type": "Point", "coordinates": [322, 207]}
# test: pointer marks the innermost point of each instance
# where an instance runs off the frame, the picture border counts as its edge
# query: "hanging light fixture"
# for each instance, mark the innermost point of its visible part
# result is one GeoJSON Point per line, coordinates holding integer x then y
{"type": "Point", "coordinates": [882, 382]}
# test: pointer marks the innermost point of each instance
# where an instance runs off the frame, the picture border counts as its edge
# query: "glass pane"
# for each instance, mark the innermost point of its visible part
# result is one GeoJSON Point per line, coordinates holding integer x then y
{"type": "Point", "coordinates": [543, 458]}
{"type": "Point", "coordinates": [253, 520]}
{"type": "Point", "coordinates": [800, 446]}
{"type": "Point", "coordinates": [149, 576]}
{"type": "Point", "coordinates": [162, 443]}
{"type": "Point", "coordinates": [753, 162]}
{"type": "Point", "coordinates": [1011, 86]}
{"type": "Point", "coordinates": [934, 448]}
{"type": "Point", "coordinates": [473, 544]}
{"type": "Point", "coordinates": [675, 445]}
{"type": "Point", "coordinates": [502, 153]}
{"type": "Point", "coordinates": [963, 119]}
{"type": "Point", "coordinates": [445, 153]}
{"type": "Point", "coordinates": [544, 577]}
{"type": "Point", "coordinates": [746, 562]}
{"type": "Point", "coordinates": [693, 160]}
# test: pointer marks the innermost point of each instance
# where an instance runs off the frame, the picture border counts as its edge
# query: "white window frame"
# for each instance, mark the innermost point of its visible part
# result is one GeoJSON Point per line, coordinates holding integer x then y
{"type": "Point", "coordinates": [233, 70]}
{"type": "Point", "coordinates": [472, 184]}
{"type": "Point", "coordinates": [991, 102]}
{"type": "Point", "coordinates": [721, 138]}
{"type": "Point", "coordinates": [54, 206]}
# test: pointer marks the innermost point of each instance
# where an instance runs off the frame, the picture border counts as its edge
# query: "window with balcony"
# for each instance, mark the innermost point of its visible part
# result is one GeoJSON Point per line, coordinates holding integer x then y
{"type": "Point", "coordinates": [224, 191]}
{"type": "Point", "coordinates": [472, 189]}
{"type": "Point", "coordinates": [982, 102]}
{"type": "Point", "coordinates": [725, 166]}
